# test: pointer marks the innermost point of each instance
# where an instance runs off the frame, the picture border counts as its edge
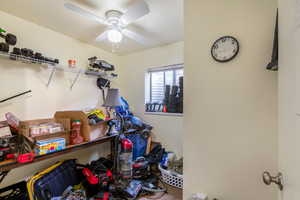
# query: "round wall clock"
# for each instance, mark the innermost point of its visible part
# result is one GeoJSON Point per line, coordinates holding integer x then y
{"type": "Point", "coordinates": [225, 49]}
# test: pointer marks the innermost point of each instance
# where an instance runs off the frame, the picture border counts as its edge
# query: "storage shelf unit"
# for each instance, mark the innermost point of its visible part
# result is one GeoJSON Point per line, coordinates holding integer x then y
{"type": "Point", "coordinates": [12, 164]}
{"type": "Point", "coordinates": [24, 59]}
{"type": "Point", "coordinates": [55, 67]}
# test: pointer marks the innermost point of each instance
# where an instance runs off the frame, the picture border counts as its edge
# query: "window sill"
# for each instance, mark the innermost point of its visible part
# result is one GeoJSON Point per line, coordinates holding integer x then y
{"type": "Point", "coordinates": [164, 114]}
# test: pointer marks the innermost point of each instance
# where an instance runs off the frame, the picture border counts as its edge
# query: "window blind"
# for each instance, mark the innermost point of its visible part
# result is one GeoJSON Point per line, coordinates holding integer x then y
{"type": "Point", "coordinates": [160, 77]}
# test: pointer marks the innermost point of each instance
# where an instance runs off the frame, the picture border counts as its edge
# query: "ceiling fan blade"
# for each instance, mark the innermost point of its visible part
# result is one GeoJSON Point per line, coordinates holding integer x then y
{"type": "Point", "coordinates": [137, 37]}
{"type": "Point", "coordinates": [139, 9]}
{"type": "Point", "coordinates": [102, 37]}
{"type": "Point", "coordinates": [84, 13]}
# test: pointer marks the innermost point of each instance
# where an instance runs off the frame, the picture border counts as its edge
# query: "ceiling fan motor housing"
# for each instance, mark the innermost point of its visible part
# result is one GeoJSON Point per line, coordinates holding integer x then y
{"type": "Point", "coordinates": [113, 17]}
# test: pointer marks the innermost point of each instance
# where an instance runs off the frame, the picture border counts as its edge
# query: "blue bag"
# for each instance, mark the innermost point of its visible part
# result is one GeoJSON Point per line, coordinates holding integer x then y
{"type": "Point", "coordinates": [139, 145]}
{"type": "Point", "coordinates": [123, 110]}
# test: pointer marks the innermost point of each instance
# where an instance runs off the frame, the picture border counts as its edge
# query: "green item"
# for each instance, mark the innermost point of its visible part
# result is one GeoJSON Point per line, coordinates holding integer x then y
{"type": "Point", "coordinates": [2, 30]}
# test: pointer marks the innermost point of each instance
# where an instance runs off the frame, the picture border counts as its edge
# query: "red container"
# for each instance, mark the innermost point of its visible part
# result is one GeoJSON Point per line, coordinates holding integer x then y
{"type": "Point", "coordinates": [75, 137]}
{"type": "Point", "coordinates": [125, 159]}
{"type": "Point", "coordinates": [25, 158]}
{"type": "Point", "coordinates": [72, 63]}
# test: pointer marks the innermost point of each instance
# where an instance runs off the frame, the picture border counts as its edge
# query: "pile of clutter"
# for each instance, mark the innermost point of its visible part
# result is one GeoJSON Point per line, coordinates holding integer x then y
{"type": "Point", "coordinates": [171, 170]}
{"type": "Point", "coordinates": [22, 140]}
{"type": "Point", "coordinates": [131, 173]}
{"type": "Point", "coordinates": [171, 163]}
{"type": "Point", "coordinates": [100, 180]}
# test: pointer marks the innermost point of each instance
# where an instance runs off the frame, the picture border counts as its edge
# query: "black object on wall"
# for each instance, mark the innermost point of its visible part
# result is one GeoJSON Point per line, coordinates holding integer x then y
{"type": "Point", "coordinates": [173, 99]}
{"type": "Point", "coordinates": [180, 94]}
{"type": "Point", "coordinates": [273, 65]}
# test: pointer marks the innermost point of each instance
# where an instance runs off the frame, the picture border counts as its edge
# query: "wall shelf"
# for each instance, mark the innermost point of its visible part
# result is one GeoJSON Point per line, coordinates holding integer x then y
{"type": "Point", "coordinates": [24, 59]}
{"type": "Point", "coordinates": [56, 67]}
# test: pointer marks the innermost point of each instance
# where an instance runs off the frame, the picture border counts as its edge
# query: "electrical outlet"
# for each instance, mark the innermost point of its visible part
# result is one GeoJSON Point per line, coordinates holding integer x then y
{"type": "Point", "coordinates": [199, 196]}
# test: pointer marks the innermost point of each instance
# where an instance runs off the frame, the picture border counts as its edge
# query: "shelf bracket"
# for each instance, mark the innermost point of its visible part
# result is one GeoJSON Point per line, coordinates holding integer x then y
{"type": "Point", "coordinates": [51, 76]}
{"type": "Point", "coordinates": [76, 79]}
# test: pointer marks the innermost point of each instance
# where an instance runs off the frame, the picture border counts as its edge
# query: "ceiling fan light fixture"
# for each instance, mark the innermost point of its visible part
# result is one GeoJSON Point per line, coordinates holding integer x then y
{"type": "Point", "coordinates": [114, 36]}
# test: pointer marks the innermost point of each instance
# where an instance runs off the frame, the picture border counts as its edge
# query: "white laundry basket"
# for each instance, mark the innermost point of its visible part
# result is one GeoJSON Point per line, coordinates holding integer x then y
{"type": "Point", "coordinates": [171, 178]}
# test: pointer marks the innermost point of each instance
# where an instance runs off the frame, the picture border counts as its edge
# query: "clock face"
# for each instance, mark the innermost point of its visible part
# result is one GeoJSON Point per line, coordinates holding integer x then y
{"type": "Point", "coordinates": [225, 49]}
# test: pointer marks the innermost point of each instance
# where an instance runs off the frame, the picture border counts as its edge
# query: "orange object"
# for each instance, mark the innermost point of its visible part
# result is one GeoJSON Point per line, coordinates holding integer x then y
{"type": "Point", "coordinates": [75, 137]}
{"type": "Point", "coordinates": [72, 63]}
{"type": "Point", "coordinates": [165, 108]}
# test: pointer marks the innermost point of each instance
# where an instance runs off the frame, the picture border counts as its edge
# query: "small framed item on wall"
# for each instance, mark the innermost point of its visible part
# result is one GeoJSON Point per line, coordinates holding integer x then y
{"type": "Point", "coordinates": [225, 49]}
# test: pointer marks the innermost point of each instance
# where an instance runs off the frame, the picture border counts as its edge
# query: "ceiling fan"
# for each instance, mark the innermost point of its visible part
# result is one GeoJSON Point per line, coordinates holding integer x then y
{"type": "Point", "coordinates": [117, 21]}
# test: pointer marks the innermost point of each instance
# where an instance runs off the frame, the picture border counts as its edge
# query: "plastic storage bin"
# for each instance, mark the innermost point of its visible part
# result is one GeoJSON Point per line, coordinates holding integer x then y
{"type": "Point", "coordinates": [171, 178]}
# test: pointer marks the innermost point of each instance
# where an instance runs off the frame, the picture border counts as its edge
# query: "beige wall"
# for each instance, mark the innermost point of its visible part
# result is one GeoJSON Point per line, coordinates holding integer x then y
{"type": "Point", "coordinates": [289, 97]}
{"type": "Point", "coordinates": [230, 122]}
{"type": "Point", "coordinates": [16, 77]}
{"type": "Point", "coordinates": [167, 129]}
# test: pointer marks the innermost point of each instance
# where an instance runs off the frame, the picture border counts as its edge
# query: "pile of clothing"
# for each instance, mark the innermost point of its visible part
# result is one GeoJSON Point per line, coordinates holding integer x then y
{"type": "Point", "coordinates": [72, 193]}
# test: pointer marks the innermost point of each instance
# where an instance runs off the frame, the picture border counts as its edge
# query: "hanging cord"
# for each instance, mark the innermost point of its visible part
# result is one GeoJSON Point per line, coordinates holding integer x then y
{"type": "Point", "coordinates": [154, 190]}
{"type": "Point", "coordinates": [163, 189]}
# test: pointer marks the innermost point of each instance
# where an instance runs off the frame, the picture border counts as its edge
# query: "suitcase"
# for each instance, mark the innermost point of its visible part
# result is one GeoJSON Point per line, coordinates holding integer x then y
{"type": "Point", "coordinates": [53, 181]}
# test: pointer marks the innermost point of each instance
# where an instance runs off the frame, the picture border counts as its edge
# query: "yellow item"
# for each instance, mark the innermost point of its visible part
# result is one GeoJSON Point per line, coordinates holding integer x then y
{"type": "Point", "coordinates": [78, 187]}
{"type": "Point", "coordinates": [31, 182]}
{"type": "Point", "coordinates": [99, 113]}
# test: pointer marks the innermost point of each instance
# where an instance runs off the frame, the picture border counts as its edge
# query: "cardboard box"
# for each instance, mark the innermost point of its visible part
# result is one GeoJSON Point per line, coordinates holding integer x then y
{"type": "Point", "coordinates": [4, 130]}
{"type": "Point", "coordinates": [25, 129]}
{"type": "Point", "coordinates": [50, 145]}
{"type": "Point", "coordinates": [89, 132]}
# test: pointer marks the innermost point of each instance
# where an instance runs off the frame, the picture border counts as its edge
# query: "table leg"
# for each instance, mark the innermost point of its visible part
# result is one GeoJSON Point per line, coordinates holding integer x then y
{"type": "Point", "coordinates": [114, 153]}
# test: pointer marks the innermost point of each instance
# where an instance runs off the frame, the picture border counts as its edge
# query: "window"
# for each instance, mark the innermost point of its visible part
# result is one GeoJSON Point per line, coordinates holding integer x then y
{"type": "Point", "coordinates": [160, 83]}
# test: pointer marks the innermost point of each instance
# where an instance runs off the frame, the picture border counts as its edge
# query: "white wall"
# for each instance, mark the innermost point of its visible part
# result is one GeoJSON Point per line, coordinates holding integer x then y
{"type": "Point", "coordinates": [289, 97]}
{"type": "Point", "coordinates": [167, 129]}
{"type": "Point", "coordinates": [16, 77]}
{"type": "Point", "coordinates": [230, 121]}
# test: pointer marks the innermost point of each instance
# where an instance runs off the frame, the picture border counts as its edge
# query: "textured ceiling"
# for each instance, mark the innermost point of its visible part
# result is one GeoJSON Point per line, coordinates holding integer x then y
{"type": "Point", "coordinates": [163, 25]}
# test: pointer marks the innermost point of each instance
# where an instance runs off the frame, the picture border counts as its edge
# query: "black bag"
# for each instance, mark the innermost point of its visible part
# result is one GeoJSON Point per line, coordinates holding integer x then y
{"type": "Point", "coordinates": [156, 155]}
{"type": "Point", "coordinates": [273, 65]}
{"type": "Point", "coordinates": [103, 83]}
{"type": "Point", "coordinates": [17, 191]}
